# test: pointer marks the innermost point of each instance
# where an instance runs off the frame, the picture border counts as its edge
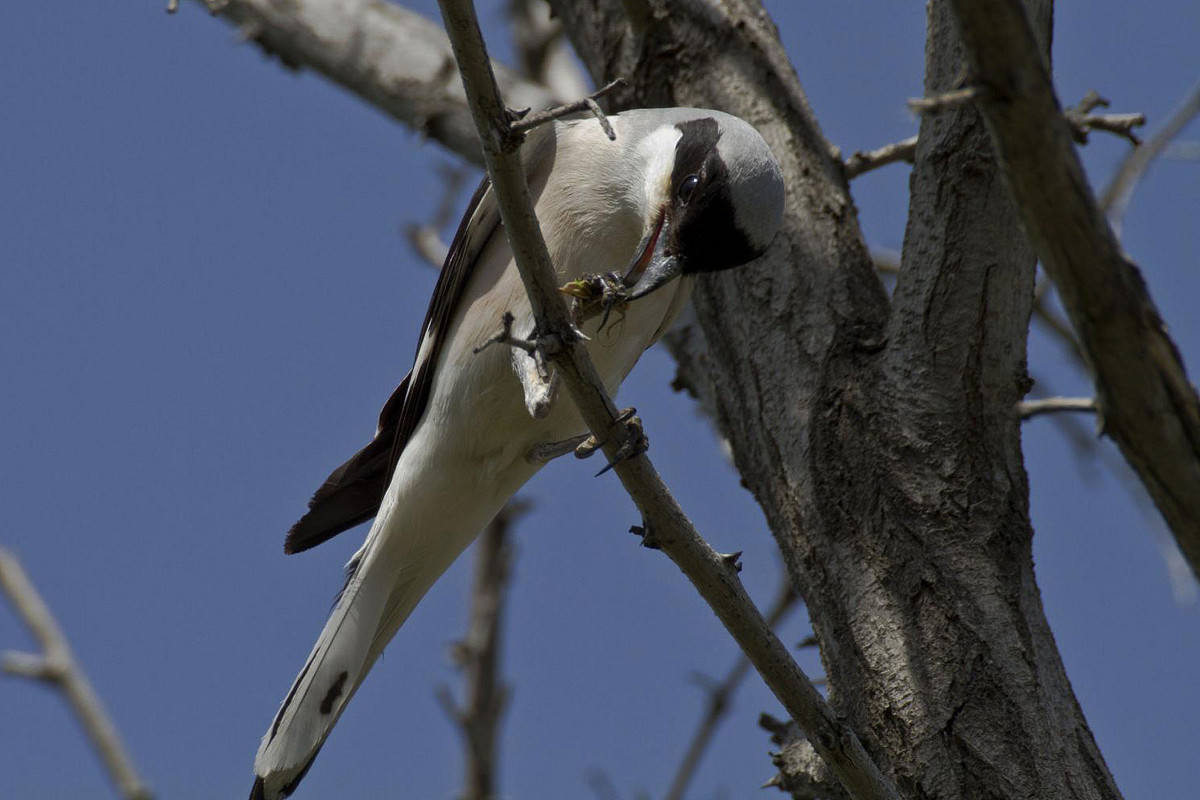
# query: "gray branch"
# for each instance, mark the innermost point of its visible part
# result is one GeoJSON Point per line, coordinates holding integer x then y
{"type": "Point", "coordinates": [57, 667]}
{"type": "Point", "coordinates": [1117, 195]}
{"type": "Point", "coordinates": [1150, 408]}
{"type": "Point", "coordinates": [1027, 409]}
{"type": "Point", "coordinates": [713, 576]}
{"type": "Point", "coordinates": [478, 656]}
{"type": "Point", "coordinates": [720, 698]}
{"type": "Point", "coordinates": [861, 162]}
{"type": "Point", "coordinates": [395, 59]}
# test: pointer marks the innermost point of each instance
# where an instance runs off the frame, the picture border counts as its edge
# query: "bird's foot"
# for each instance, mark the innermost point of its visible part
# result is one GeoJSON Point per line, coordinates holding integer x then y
{"type": "Point", "coordinates": [546, 452]}
{"type": "Point", "coordinates": [635, 445]}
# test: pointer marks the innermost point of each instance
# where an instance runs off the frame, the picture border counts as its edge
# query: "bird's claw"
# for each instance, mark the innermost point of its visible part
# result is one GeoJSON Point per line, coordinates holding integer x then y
{"type": "Point", "coordinates": [635, 445]}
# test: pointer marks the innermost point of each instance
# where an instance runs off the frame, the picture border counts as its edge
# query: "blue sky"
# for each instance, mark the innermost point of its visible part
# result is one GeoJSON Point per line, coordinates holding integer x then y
{"type": "Point", "coordinates": [205, 296]}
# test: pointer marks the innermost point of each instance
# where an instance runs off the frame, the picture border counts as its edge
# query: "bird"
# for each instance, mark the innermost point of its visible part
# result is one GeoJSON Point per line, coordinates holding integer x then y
{"type": "Point", "coordinates": [676, 193]}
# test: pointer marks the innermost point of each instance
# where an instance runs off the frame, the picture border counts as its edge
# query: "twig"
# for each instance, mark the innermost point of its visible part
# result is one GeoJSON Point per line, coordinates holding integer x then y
{"type": "Point", "coordinates": [478, 657]}
{"type": "Point", "coordinates": [57, 667]}
{"type": "Point", "coordinates": [861, 162]}
{"type": "Point", "coordinates": [1151, 409]}
{"type": "Point", "coordinates": [1028, 409]}
{"type": "Point", "coordinates": [426, 239]}
{"type": "Point", "coordinates": [716, 582]}
{"type": "Point", "coordinates": [1082, 121]}
{"type": "Point", "coordinates": [720, 696]}
{"type": "Point", "coordinates": [1116, 196]}
{"type": "Point", "coordinates": [1079, 117]}
{"type": "Point", "coordinates": [944, 101]}
{"type": "Point", "coordinates": [531, 121]}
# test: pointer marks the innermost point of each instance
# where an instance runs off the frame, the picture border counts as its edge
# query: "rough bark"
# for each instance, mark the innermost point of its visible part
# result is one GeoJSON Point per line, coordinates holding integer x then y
{"type": "Point", "coordinates": [1147, 403]}
{"type": "Point", "coordinates": [883, 447]}
{"type": "Point", "coordinates": [395, 59]}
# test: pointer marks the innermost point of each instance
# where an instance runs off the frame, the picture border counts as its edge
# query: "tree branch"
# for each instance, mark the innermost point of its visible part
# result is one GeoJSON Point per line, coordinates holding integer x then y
{"type": "Point", "coordinates": [57, 666]}
{"type": "Point", "coordinates": [1083, 121]}
{"type": "Point", "coordinates": [478, 657]}
{"type": "Point", "coordinates": [1028, 409]}
{"type": "Point", "coordinates": [1116, 197]}
{"type": "Point", "coordinates": [1150, 406]}
{"type": "Point", "coordinates": [395, 59]}
{"type": "Point", "coordinates": [720, 697]}
{"type": "Point", "coordinates": [860, 162]}
{"type": "Point", "coordinates": [713, 576]}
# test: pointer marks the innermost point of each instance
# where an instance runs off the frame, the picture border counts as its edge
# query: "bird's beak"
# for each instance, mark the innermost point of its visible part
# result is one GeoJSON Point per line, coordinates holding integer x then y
{"type": "Point", "coordinates": [652, 267]}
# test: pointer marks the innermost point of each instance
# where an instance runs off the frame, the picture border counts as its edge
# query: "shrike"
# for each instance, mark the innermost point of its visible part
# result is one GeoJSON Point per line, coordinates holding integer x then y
{"type": "Point", "coordinates": [680, 191]}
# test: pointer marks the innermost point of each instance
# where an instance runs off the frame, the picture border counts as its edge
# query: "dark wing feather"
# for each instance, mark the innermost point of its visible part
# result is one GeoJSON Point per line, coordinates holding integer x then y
{"type": "Point", "coordinates": [353, 492]}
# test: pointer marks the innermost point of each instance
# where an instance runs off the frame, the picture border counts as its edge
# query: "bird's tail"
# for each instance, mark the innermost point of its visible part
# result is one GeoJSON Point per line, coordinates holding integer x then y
{"type": "Point", "coordinates": [334, 670]}
{"type": "Point", "coordinates": [385, 581]}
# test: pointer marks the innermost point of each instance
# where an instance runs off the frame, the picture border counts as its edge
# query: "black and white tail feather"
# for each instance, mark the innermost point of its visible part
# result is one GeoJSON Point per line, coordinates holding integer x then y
{"type": "Point", "coordinates": [680, 191]}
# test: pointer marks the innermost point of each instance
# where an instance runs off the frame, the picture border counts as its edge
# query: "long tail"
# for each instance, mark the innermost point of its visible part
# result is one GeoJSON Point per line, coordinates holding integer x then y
{"type": "Point", "coordinates": [385, 581]}
{"type": "Point", "coordinates": [333, 672]}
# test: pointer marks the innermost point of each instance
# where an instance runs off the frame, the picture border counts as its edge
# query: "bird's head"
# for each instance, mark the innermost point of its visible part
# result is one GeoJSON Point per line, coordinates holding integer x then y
{"type": "Point", "coordinates": [712, 194]}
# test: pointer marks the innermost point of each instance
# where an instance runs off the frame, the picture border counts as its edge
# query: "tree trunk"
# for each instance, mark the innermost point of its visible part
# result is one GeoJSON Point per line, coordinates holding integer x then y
{"type": "Point", "coordinates": [881, 442]}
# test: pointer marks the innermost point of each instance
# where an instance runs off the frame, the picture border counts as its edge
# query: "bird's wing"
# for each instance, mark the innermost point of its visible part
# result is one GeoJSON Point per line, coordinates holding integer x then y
{"type": "Point", "coordinates": [353, 492]}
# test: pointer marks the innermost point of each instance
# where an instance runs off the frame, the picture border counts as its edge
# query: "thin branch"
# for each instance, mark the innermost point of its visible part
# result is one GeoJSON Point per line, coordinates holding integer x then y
{"type": "Point", "coordinates": [720, 697]}
{"type": "Point", "coordinates": [1115, 199]}
{"type": "Point", "coordinates": [397, 60]}
{"type": "Point", "coordinates": [1150, 407]}
{"type": "Point", "coordinates": [1028, 409]}
{"type": "Point", "coordinates": [478, 657]}
{"type": "Point", "coordinates": [1058, 326]}
{"type": "Point", "coordinates": [426, 240]}
{"type": "Point", "coordinates": [860, 162]}
{"type": "Point", "coordinates": [944, 101]}
{"type": "Point", "coordinates": [1083, 121]}
{"type": "Point", "coordinates": [713, 577]}
{"type": "Point", "coordinates": [57, 667]}
{"type": "Point", "coordinates": [531, 121]}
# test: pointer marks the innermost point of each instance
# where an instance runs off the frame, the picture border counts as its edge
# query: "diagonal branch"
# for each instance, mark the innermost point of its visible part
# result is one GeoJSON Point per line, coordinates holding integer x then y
{"type": "Point", "coordinates": [714, 577]}
{"type": "Point", "coordinates": [395, 59]}
{"type": "Point", "coordinates": [478, 656]}
{"type": "Point", "coordinates": [57, 666]}
{"type": "Point", "coordinates": [1116, 196]}
{"type": "Point", "coordinates": [1146, 401]}
{"type": "Point", "coordinates": [721, 695]}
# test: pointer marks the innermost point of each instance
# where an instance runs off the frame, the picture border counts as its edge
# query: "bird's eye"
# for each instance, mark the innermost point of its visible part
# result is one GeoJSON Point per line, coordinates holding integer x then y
{"type": "Point", "coordinates": [688, 187]}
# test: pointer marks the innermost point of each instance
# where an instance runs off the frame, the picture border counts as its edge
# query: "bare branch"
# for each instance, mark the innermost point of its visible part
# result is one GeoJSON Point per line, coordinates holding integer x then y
{"type": "Point", "coordinates": [1079, 117]}
{"type": "Point", "coordinates": [717, 583]}
{"type": "Point", "coordinates": [1028, 409]}
{"type": "Point", "coordinates": [860, 162]}
{"type": "Point", "coordinates": [478, 657]}
{"type": "Point", "coordinates": [720, 696]}
{"type": "Point", "coordinates": [1150, 406]}
{"type": "Point", "coordinates": [1115, 199]}
{"type": "Point", "coordinates": [426, 239]}
{"type": "Point", "coordinates": [531, 121]}
{"type": "Point", "coordinates": [943, 102]}
{"type": "Point", "coordinates": [1082, 121]}
{"type": "Point", "coordinates": [57, 666]}
{"type": "Point", "coordinates": [395, 59]}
